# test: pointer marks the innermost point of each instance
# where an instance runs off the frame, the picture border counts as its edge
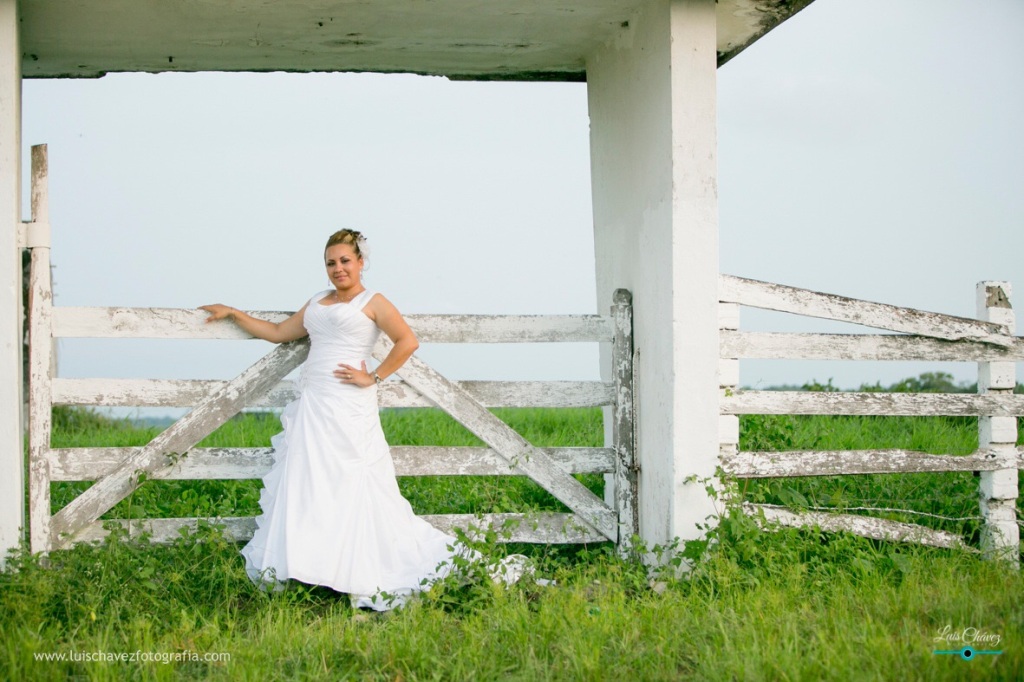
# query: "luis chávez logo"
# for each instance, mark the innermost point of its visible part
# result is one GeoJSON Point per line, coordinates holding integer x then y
{"type": "Point", "coordinates": [974, 642]}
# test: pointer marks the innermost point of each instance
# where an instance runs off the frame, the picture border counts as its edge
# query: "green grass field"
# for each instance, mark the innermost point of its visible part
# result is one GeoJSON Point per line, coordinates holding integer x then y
{"type": "Point", "coordinates": [786, 605]}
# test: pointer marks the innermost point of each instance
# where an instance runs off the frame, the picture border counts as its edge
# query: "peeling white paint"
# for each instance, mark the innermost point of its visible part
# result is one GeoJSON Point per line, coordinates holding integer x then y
{"type": "Point", "coordinates": [909, 404]}
{"type": "Point", "coordinates": [176, 323]}
{"type": "Point", "coordinates": [792, 346]}
{"type": "Point", "coordinates": [542, 528]}
{"type": "Point", "coordinates": [846, 462]}
{"type": "Point", "coordinates": [89, 464]}
{"type": "Point", "coordinates": [789, 299]}
{"type": "Point", "coordinates": [41, 349]}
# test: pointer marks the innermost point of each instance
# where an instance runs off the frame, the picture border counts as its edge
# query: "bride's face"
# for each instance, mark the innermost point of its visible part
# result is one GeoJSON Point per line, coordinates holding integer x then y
{"type": "Point", "coordinates": [343, 267]}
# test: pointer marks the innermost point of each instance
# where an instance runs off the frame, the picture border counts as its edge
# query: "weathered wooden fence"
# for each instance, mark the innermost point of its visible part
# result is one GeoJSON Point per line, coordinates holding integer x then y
{"type": "Point", "coordinates": [989, 341]}
{"type": "Point", "coordinates": [173, 453]}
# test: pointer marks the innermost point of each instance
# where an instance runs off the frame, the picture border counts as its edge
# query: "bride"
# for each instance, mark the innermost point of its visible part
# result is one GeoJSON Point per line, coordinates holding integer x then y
{"type": "Point", "coordinates": [332, 511]}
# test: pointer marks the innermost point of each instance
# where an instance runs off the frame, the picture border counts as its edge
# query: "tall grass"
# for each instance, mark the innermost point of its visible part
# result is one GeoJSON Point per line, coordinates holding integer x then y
{"type": "Point", "coordinates": [791, 604]}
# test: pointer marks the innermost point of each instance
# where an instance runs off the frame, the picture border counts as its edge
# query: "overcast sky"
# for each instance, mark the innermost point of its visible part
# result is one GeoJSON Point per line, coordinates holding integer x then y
{"type": "Point", "coordinates": [867, 148]}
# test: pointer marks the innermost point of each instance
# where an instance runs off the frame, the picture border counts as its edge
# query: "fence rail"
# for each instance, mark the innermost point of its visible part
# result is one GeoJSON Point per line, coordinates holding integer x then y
{"type": "Point", "coordinates": [180, 323]}
{"type": "Point", "coordinates": [843, 462]}
{"type": "Point", "coordinates": [924, 336]}
{"type": "Point", "coordinates": [186, 393]}
{"type": "Point", "coordinates": [789, 299]}
{"type": "Point", "coordinates": [90, 464]}
{"type": "Point", "coordinates": [865, 526]}
{"type": "Point", "coordinates": [783, 346]}
{"type": "Point", "coordinates": [546, 528]}
{"type": "Point", "coordinates": [871, 403]}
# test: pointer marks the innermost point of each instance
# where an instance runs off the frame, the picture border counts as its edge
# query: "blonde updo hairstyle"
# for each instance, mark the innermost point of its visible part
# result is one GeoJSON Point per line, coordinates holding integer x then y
{"type": "Point", "coordinates": [353, 238]}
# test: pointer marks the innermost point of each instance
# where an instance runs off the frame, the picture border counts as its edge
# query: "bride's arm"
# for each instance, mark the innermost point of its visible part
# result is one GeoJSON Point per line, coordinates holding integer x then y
{"type": "Point", "coordinates": [391, 322]}
{"type": "Point", "coordinates": [280, 332]}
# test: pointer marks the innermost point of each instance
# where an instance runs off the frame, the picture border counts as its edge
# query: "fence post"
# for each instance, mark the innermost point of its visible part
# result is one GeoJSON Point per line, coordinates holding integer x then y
{"type": "Point", "coordinates": [728, 380]}
{"type": "Point", "coordinates": [40, 359]}
{"type": "Point", "coordinates": [998, 489]}
{"type": "Point", "coordinates": [624, 437]}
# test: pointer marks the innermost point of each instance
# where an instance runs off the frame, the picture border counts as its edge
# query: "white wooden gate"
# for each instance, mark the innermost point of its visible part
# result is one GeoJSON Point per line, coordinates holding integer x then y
{"type": "Point", "coordinates": [924, 336]}
{"type": "Point", "coordinates": [173, 453]}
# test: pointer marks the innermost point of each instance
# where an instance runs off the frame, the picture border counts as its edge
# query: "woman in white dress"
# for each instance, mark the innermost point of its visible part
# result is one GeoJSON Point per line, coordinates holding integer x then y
{"type": "Point", "coordinates": [332, 511]}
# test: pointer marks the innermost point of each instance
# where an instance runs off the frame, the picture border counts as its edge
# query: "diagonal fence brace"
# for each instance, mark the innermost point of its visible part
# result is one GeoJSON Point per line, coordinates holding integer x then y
{"type": "Point", "coordinates": [182, 436]}
{"type": "Point", "coordinates": [521, 455]}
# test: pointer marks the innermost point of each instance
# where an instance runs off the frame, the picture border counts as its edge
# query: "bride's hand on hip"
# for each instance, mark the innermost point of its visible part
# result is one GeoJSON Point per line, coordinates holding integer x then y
{"type": "Point", "coordinates": [358, 376]}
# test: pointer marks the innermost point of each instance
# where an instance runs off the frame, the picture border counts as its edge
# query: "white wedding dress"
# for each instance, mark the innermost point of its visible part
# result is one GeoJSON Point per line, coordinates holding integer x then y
{"type": "Point", "coordinates": [332, 511]}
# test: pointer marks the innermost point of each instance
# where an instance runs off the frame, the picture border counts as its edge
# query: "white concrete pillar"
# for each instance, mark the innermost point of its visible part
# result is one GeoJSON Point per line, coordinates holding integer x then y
{"type": "Point", "coordinates": [652, 99]}
{"type": "Point", "coordinates": [12, 478]}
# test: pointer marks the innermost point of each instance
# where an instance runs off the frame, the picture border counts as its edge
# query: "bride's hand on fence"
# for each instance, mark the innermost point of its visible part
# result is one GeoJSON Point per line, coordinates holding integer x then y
{"type": "Point", "coordinates": [354, 375]}
{"type": "Point", "coordinates": [217, 311]}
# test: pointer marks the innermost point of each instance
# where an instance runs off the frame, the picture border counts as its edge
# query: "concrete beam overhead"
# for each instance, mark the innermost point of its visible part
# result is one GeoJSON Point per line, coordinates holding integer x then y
{"type": "Point", "coordinates": [469, 39]}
